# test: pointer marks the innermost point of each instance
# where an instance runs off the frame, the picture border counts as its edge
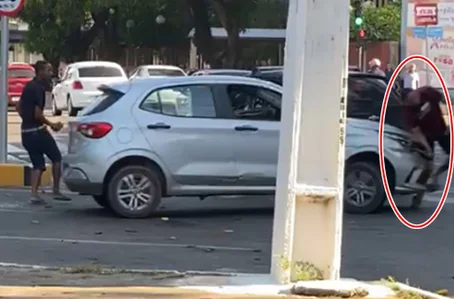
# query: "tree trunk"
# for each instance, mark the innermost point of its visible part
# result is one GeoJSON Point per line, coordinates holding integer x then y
{"type": "Point", "coordinates": [230, 25]}
{"type": "Point", "coordinates": [203, 39]}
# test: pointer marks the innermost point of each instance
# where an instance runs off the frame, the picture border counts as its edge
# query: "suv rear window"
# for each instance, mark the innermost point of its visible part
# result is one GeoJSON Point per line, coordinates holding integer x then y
{"type": "Point", "coordinates": [99, 71]}
{"type": "Point", "coordinates": [20, 73]}
{"type": "Point", "coordinates": [102, 102]}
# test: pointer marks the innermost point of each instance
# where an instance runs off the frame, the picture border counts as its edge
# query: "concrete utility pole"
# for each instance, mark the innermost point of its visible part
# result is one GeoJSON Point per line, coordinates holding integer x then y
{"type": "Point", "coordinates": [309, 195]}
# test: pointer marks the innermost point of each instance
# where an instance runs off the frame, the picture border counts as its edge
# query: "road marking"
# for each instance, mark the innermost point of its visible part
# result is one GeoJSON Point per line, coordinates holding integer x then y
{"type": "Point", "coordinates": [16, 211]}
{"type": "Point", "coordinates": [119, 243]}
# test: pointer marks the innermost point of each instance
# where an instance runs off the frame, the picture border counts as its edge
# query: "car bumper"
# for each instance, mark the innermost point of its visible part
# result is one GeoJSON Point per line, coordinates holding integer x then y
{"type": "Point", "coordinates": [76, 180]}
{"type": "Point", "coordinates": [408, 167]}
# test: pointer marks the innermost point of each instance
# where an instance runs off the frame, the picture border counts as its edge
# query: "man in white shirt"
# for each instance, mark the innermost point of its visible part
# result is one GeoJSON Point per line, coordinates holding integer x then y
{"type": "Point", "coordinates": [410, 81]}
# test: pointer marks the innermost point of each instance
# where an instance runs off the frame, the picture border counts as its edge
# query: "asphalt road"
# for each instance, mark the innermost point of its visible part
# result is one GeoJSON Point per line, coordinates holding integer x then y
{"type": "Point", "coordinates": [217, 234]}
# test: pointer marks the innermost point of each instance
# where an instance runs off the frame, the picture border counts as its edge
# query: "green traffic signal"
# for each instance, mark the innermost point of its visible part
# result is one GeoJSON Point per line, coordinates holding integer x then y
{"type": "Point", "coordinates": [358, 21]}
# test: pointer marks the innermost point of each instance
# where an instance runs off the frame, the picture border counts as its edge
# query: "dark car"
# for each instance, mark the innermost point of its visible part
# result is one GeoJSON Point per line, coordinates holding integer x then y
{"type": "Point", "coordinates": [364, 97]}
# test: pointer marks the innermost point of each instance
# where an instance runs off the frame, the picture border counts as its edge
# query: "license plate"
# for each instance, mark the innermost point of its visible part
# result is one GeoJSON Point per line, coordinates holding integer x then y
{"type": "Point", "coordinates": [15, 99]}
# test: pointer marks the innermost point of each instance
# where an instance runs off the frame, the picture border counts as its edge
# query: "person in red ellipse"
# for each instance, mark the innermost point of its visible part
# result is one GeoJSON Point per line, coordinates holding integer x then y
{"type": "Point", "coordinates": [425, 121]}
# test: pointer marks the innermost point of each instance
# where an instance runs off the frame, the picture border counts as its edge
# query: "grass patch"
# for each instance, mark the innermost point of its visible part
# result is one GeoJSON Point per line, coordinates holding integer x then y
{"type": "Point", "coordinates": [400, 293]}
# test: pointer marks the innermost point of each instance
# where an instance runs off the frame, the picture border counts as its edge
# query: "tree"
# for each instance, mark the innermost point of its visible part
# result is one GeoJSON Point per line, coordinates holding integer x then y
{"type": "Point", "coordinates": [232, 15]}
{"type": "Point", "coordinates": [65, 30]}
{"type": "Point", "coordinates": [380, 23]}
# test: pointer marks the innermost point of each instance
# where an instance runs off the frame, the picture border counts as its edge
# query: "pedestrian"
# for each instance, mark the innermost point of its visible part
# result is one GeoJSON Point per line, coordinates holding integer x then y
{"type": "Point", "coordinates": [425, 120]}
{"type": "Point", "coordinates": [410, 81]}
{"type": "Point", "coordinates": [374, 67]}
{"type": "Point", "coordinates": [389, 71]}
{"type": "Point", "coordinates": [36, 138]}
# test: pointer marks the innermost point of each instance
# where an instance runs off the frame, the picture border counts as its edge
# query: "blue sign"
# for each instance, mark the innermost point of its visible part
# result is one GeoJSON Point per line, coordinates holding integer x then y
{"type": "Point", "coordinates": [423, 32]}
{"type": "Point", "coordinates": [435, 32]}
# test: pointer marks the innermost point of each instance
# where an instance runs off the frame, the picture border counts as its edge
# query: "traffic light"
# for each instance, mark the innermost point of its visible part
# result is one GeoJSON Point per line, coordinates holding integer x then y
{"type": "Point", "coordinates": [362, 33]}
{"type": "Point", "coordinates": [359, 22]}
{"type": "Point", "coordinates": [358, 13]}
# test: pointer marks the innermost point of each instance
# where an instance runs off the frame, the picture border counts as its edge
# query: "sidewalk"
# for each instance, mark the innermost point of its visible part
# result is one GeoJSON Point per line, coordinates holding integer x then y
{"type": "Point", "coordinates": [116, 293]}
{"type": "Point", "coordinates": [31, 283]}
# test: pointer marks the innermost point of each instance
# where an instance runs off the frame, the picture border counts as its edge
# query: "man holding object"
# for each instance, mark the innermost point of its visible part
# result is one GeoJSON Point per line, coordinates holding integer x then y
{"type": "Point", "coordinates": [36, 138]}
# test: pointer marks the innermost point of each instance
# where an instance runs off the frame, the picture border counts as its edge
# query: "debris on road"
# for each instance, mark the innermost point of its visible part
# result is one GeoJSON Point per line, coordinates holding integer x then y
{"type": "Point", "coordinates": [132, 231]}
{"type": "Point", "coordinates": [228, 231]}
{"type": "Point", "coordinates": [35, 222]}
{"type": "Point", "coordinates": [164, 218]}
{"type": "Point", "coordinates": [172, 238]}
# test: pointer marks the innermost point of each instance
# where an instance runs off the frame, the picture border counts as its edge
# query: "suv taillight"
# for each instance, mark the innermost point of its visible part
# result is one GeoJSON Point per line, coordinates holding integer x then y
{"type": "Point", "coordinates": [95, 130]}
{"type": "Point", "coordinates": [77, 85]}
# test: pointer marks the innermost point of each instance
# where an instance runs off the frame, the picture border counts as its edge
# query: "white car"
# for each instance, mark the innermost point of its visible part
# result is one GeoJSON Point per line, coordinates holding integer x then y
{"type": "Point", "coordinates": [209, 135]}
{"type": "Point", "coordinates": [156, 71]}
{"type": "Point", "coordinates": [79, 85]}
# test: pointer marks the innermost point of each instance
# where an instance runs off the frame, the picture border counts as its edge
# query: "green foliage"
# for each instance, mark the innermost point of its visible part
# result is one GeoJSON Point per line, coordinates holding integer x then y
{"type": "Point", "coordinates": [56, 28]}
{"type": "Point", "coordinates": [268, 14]}
{"type": "Point", "coordinates": [50, 21]}
{"type": "Point", "coordinates": [380, 23]}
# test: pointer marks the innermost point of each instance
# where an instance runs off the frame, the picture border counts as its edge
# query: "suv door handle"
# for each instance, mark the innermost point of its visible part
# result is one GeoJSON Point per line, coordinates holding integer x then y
{"type": "Point", "coordinates": [246, 128]}
{"type": "Point", "coordinates": [158, 126]}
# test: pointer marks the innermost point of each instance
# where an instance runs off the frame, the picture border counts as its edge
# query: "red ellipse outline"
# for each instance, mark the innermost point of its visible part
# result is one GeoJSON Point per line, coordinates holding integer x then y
{"type": "Point", "coordinates": [380, 145]}
{"type": "Point", "coordinates": [14, 12]}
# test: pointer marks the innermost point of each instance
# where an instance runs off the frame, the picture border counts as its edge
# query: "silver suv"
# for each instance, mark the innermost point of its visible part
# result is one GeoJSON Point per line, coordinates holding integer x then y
{"type": "Point", "coordinates": [203, 136]}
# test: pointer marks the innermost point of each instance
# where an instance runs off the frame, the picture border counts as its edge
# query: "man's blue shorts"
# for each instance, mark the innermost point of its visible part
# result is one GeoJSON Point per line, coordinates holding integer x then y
{"type": "Point", "coordinates": [39, 143]}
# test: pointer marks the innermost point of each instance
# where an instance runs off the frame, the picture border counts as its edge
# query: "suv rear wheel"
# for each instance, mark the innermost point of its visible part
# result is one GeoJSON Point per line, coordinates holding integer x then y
{"type": "Point", "coordinates": [363, 188]}
{"type": "Point", "coordinates": [134, 191]}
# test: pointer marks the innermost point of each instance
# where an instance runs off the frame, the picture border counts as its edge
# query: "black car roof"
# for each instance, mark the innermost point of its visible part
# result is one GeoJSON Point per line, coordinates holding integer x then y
{"type": "Point", "coordinates": [350, 74]}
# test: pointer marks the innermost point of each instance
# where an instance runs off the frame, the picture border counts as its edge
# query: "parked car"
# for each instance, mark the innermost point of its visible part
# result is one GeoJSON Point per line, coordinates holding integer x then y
{"type": "Point", "coordinates": [156, 71]}
{"type": "Point", "coordinates": [19, 74]}
{"type": "Point", "coordinates": [204, 136]}
{"type": "Point", "coordinates": [364, 97]}
{"type": "Point", "coordinates": [221, 72]}
{"type": "Point", "coordinates": [79, 85]}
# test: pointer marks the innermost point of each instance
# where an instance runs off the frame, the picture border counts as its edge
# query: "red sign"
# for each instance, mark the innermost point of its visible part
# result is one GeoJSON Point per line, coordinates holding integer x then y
{"type": "Point", "coordinates": [426, 14]}
{"type": "Point", "coordinates": [11, 8]}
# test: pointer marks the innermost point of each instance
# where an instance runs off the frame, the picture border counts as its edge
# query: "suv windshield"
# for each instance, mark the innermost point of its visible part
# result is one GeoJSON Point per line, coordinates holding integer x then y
{"type": "Point", "coordinates": [99, 71]}
{"type": "Point", "coordinates": [20, 73]}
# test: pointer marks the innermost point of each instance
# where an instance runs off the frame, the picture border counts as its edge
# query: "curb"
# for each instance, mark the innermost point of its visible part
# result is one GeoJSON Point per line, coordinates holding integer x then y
{"type": "Point", "coordinates": [104, 271]}
{"type": "Point", "coordinates": [420, 291]}
{"type": "Point", "coordinates": [19, 175]}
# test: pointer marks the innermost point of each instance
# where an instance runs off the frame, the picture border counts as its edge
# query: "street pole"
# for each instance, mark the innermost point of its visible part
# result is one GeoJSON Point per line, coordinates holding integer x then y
{"type": "Point", "coordinates": [426, 52]}
{"type": "Point", "coordinates": [360, 58]}
{"type": "Point", "coordinates": [4, 90]}
{"type": "Point", "coordinates": [308, 215]}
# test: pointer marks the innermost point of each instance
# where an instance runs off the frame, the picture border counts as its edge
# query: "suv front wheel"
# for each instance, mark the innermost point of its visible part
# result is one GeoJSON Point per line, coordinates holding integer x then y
{"type": "Point", "coordinates": [363, 188]}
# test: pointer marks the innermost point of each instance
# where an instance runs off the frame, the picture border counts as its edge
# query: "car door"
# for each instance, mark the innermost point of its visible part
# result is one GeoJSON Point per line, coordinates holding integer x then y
{"type": "Point", "coordinates": [255, 113]}
{"type": "Point", "coordinates": [182, 129]}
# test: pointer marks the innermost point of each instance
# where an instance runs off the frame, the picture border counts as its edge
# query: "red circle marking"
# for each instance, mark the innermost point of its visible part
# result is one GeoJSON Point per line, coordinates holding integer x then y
{"type": "Point", "coordinates": [14, 12]}
{"type": "Point", "coordinates": [380, 145]}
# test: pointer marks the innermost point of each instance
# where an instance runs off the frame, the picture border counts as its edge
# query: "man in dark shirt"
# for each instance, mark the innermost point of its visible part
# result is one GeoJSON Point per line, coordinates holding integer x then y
{"type": "Point", "coordinates": [36, 139]}
{"type": "Point", "coordinates": [425, 120]}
